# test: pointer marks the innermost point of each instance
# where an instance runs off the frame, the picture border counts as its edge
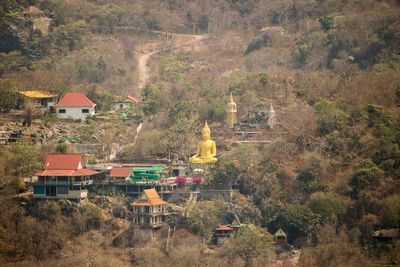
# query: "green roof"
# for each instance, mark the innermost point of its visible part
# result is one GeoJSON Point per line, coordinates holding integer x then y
{"type": "Point", "coordinates": [148, 169]}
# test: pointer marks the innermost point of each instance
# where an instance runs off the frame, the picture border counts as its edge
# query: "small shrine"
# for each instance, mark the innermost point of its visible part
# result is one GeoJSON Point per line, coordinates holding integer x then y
{"type": "Point", "coordinates": [271, 118]}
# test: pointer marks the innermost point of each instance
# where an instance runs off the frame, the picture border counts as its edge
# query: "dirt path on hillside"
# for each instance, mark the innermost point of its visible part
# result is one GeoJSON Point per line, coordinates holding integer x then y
{"type": "Point", "coordinates": [145, 52]}
{"type": "Point", "coordinates": [177, 41]}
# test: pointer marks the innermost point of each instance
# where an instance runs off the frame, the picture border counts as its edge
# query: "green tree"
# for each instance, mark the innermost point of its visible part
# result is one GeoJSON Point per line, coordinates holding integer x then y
{"type": "Point", "coordinates": [92, 216]}
{"type": "Point", "coordinates": [9, 95]}
{"type": "Point", "coordinates": [327, 21]}
{"type": "Point", "coordinates": [70, 35]}
{"type": "Point", "coordinates": [296, 221]}
{"type": "Point", "coordinates": [23, 158]}
{"type": "Point", "coordinates": [155, 98]}
{"type": "Point", "coordinates": [391, 212]}
{"type": "Point", "coordinates": [330, 117]}
{"type": "Point", "coordinates": [366, 175]}
{"type": "Point", "coordinates": [109, 14]}
{"type": "Point", "coordinates": [300, 54]}
{"type": "Point", "coordinates": [224, 173]}
{"type": "Point", "coordinates": [171, 69]}
{"type": "Point", "coordinates": [206, 216]}
{"type": "Point", "coordinates": [217, 110]}
{"type": "Point", "coordinates": [181, 110]}
{"type": "Point", "coordinates": [250, 243]}
{"type": "Point", "coordinates": [244, 82]}
{"type": "Point", "coordinates": [61, 148]}
{"type": "Point", "coordinates": [329, 205]}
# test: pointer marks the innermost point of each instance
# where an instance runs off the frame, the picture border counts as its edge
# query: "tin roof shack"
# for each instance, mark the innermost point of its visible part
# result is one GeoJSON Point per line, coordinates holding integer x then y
{"type": "Point", "coordinates": [63, 176]}
{"type": "Point", "coordinates": [387, 235]}
{"type": "Point", "coordinates": [120, 174]}
{"type": "Point", "coordinates": [222, 233]}
{"type": "Point", "coordinates": [42, 98]}
{"type": "Point", "coordinates": [149, 213]}
{"type": "Point", "coordinates": [124, 103]}
{"type": "Point", "coordinates": [75, 106]}
{"type": "Point", "coordinates": [39, 19]}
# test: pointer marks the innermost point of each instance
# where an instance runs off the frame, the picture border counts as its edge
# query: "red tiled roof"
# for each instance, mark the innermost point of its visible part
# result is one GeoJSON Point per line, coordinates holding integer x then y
{"type": "Point", "coordinates": [75, 99]}
{"type": "Point", "coordinates": [133, 99]}
{"type": "Point", "coordinates": [78, 172]}
{"type": "Point", "coordinates": [120, 172]}
{"type": "Point", "coordinates": [62, 161]}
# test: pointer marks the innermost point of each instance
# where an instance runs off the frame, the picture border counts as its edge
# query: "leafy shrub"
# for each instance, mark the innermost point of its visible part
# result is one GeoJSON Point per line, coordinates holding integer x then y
{"type": "Point", "coordinates": [328, 205]}
{"type": "Point", "coordinates": [92, 216]}
{"type": "Point", "coordinates": [296, 221]}
{"type": "Point", "coordinates": [61, 148]}
{"type": "Point", "coordinates": [256, 44]}
{"type": "Point", "coordinates": [180, 180]}
{"type": "Point", "coordinates": [327, 21]}
{"type": "Point", "coordinates": [366, 175]}
{"type": "Point", "coordinates": [197, 180]}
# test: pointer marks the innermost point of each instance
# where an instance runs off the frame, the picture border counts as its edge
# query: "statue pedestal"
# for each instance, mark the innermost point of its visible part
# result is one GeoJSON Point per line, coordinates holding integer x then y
{"type": "Point", "coordinates": [202, 166]}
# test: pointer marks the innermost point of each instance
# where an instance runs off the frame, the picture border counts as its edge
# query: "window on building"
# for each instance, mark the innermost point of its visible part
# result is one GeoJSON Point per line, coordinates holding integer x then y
{"type": "Point", "coordinates": [85, 110]}
{"type": "Point", "coordinates": [61, 111]}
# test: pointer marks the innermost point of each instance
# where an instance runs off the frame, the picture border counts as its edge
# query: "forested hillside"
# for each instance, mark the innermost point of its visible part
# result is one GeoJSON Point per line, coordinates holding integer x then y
{"type": "Point", "coordinates": [329, 174]}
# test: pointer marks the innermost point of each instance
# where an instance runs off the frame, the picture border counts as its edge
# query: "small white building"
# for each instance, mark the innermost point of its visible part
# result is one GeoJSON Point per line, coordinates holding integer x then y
{"type": "Point", "coordinates": [125, 103]}
{"type": "Point", "coordinates": [75, 106]}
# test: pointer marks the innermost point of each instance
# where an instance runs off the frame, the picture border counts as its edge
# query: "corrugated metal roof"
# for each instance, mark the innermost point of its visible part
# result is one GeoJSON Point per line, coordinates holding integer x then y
{"type": "Point", "coordinates": [120, 172]}
{"type": "Point", "coordinates": [75, 99]}
{"type": "Point", "coordinates": [37, 94]}
{"type": "Point", "coordinates": [62, 161]}
{"type": "Point", "coordinates": [154, 168]}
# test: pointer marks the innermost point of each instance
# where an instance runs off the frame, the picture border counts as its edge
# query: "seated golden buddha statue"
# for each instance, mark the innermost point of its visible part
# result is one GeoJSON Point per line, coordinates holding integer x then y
{"type": "Point", "coordinates": [206, 149]}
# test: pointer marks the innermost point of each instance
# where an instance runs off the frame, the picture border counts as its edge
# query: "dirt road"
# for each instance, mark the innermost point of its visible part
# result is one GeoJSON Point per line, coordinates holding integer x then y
{"type": "Point", "coordinates": [177, 41]}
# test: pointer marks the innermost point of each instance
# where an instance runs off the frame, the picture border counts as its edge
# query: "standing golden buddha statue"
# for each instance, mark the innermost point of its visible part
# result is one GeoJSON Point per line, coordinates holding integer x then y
{"type": "Point", "coordinates": [206, 149]}
{"type": "Point", "coordinates": [231, 109]}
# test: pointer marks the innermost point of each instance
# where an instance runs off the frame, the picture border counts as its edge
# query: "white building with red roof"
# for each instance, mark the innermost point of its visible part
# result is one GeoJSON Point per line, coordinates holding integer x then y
{"type": "Point", "coordinates": [75, 106]}
{"type": "Point", "coordinates": [124, 103]}
{"type": "Point", "coordinates": [63, 176]}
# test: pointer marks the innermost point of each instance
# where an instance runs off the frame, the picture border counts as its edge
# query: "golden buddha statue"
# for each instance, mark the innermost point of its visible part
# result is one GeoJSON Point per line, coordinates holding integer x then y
{"type": "Point", "coordinates": [206, 150]}
{"type": "Point", "coordinates": [231, 109]}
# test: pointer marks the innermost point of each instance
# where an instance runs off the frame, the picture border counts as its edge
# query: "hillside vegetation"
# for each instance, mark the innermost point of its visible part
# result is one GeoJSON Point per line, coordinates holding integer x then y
{"type": "Point", "coordinates": [331, 172]}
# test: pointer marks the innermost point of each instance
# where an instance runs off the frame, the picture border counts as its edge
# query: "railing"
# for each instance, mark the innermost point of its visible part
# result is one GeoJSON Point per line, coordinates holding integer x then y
{"type": "Point", "coordinates": [63, 182]}
{"type": "Point", "coordinates": [155, 213]}
{"type": "Point", "coordinates": [71, 194]}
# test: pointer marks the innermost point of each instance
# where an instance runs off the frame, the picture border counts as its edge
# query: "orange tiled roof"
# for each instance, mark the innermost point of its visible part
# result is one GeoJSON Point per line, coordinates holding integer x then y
{"type": "Point", "coordinates": [75, 99]}
{"type": "Point", "coordinates": [152, 199]}
{"type": "Point", "coordinates": [133, 99]}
